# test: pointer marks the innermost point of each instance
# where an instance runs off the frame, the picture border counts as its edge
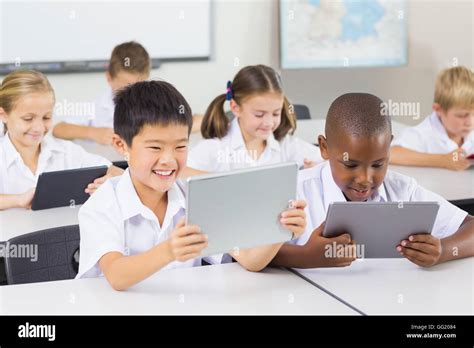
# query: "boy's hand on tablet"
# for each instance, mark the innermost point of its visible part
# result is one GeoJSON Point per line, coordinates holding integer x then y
{"type": "Point", "coordinates": [318, 245]}
{"type": "Point", "coordinates": [186, 242]}
{"type": "Point", "coordinates": [421, 249]}
{"type": "Point", "coordinates": [26, 199]}
{"type": "Point", "coordinates": [102, 135]}
{"type": "Point", "coordinates": [294, 219]}
{"type": "Point", "coordinates": [111, 172]}
{"type": "Point", "coordinates": [457, 160]}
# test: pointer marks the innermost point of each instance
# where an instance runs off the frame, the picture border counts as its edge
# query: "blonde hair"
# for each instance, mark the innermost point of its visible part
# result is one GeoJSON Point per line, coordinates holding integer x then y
{"type": "Point", "coordinates": [455, 87]}
{"type": "Point", "coordinates": [249, 81]}
{"type": "Point", "coordinates": [19, 83]}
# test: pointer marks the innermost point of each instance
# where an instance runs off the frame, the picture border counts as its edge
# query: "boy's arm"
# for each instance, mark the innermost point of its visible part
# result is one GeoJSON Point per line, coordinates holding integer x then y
{"type": "Point", "coordinates": [290, 255]}
{"type": "Point", "coordinates": [124, 271]}
{"type": "Point", "coordinates": [256, 259]}
{"type": "Point", "coordinates": [454, 160]}
{"type": "Point", "coordinates": [185, 243]}
{"type": "Point", "coordinates": [459, 244]}
{"type": "Point", "coordinates": [313, 253]}
{"type": "Point", "coordinates": [70, 131]}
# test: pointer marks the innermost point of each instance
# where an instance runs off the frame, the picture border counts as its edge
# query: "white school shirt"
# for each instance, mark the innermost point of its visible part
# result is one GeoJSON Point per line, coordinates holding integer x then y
{"type": "Point", "coordinates": [115, 219]}
{"type": "Point", "coordinates": [318, 188]}
{"type": "Point", "coordinates": [430, 136]}
{"type": "Point", "coordinates": [56, 154]}
{"type": "Point", "coordinates": [229, 152]}
{"type": "Point", "coordinates": [103, 113]}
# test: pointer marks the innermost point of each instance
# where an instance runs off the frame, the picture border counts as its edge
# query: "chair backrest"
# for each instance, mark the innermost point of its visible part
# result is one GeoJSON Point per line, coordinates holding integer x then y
{"type": "Point", "coordinates": [302, 112]}
{"type": "Point", "coordinates": [3, 277]}
{"type": "Point", "coordinates": [42, 256]}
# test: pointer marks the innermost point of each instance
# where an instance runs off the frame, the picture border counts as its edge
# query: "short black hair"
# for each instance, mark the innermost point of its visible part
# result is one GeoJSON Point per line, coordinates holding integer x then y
{"type": "Point", "coordinates": [357, 114]}
{"type": "Point", "coordinates": [149, 102]}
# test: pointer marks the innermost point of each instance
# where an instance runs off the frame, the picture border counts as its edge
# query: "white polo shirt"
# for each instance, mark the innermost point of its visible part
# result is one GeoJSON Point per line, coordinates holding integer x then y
{"type": "Point", "coordinates": [317, 186]}
{"type": "Point", "coordinates": [103, 113]}
{"type": "Point", "coordinates": [430, 136]}
{"type": "Point", "coordinates": [56, 154]}
{"type": "Point", "coordinates": [114, 219]}
{"type": "Point", "coordinates": [229, 153]}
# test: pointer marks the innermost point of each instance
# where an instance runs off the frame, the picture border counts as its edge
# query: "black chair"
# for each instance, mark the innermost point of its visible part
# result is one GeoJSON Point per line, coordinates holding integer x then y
{"type": "Point", "coordinates": [3, 277]}
{"type": "Point", "coordinates": [57, 256]}
{"type": "Point", "coordinates": [302, 112]}
{"type": "Point", "coordinates": [121, 164]}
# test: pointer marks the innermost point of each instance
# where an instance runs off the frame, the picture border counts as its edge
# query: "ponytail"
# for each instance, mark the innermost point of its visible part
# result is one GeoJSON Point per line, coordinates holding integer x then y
{"type": "Point", "coordinates": [288, 121]}
{"type": "Point", "coordinates": [249, 81]}
{"type": "Point", "coordinates": [215, 123]}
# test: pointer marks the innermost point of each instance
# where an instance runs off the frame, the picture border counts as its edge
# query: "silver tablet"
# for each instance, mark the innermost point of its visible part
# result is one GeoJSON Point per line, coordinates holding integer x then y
{"type": "Point", "coordinates": [241, 209]}
{"type": "Point", "coordinates": [378, 227]}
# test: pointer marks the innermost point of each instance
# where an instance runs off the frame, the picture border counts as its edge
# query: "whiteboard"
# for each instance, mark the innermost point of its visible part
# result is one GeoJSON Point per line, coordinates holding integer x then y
{"type": "Point", "coordinates": [67, 31]}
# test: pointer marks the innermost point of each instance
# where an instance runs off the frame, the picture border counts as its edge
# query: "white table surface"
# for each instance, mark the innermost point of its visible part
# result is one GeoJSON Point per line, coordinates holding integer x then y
{"type": "Point", "coordinates": [397, 286]}
{"type": "Point", "coordinates": [15, 222]}
{"type": "Point", "coordinates": [450, 184]}
{"type": "Point", "coordinates": [219, 289]}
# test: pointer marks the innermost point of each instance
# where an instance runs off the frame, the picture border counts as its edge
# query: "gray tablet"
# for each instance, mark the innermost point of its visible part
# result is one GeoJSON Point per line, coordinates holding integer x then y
{"type": "Point", "coordinates": [64, 187]}
{"type": "Point", "coordinates": [241, 209]}
{"type": "Point", "coordinates": [378, 227]}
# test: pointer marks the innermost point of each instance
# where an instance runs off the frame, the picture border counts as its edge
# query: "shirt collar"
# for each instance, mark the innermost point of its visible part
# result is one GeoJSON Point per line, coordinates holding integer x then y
{"type": "Point", "coordinates": [11, 154]}
{"type": "Point", "coordinates": [131, 205]}
{"type": "Point", "coordinates": [237, 139]}
{"type": "Point", "coordinates": [48, 146]}
{"type": "Point", "coordinates": [438, 127]}
{"type": "Point", "coordinates": [332, 192]}
{"type": "Point", "coordinates": [107, 99]}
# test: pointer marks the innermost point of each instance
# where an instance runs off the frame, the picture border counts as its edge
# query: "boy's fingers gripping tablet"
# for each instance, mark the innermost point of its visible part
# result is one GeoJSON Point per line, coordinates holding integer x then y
{"type": "Point", "coordinates": [320, 229]}
{"type": "Point", "coordinates": [343, 238]}
{"type": "Point", "coordinates": [425, 238]}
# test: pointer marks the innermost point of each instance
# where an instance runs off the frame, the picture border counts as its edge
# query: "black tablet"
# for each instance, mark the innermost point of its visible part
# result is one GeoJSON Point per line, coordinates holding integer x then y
{"type": "Point", "coordinates": [64, 187]}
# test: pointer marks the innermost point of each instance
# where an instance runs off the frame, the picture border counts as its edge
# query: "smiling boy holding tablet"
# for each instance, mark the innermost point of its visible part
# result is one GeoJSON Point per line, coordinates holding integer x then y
{"type": "Point", "coordinates": [357, 147]}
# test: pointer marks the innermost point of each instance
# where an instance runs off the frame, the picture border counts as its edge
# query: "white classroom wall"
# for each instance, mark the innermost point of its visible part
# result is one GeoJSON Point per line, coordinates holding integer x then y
{"type": "Point", "coordinates": [439, 31]}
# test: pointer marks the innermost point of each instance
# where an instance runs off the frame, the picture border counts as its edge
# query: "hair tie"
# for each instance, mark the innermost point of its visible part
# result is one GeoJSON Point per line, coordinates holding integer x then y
{"type": "Point", "coordinates": [229, 93]}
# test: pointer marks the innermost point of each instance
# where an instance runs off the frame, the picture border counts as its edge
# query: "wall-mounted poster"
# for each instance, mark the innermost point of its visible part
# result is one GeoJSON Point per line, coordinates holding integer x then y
{"type": "Point", "coordinates": [342, 33]}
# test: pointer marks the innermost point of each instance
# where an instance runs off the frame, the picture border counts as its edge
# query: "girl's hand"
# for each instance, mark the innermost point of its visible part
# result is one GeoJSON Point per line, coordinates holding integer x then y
{"type": "Point", "coordinates": [25, 199]}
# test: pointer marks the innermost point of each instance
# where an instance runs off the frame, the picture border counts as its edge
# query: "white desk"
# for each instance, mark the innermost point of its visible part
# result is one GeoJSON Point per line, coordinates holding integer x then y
{"type": "Point", "coordinates": [15, 222]}
{"type": "Point", "coordinates": [450, 184]}
{"type": "Point", "coordinates": [106, 151]}
{"type": "Point", "coordinates": [219, 289]}
{"type": "Point", "coordinates": [396, 286]}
